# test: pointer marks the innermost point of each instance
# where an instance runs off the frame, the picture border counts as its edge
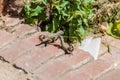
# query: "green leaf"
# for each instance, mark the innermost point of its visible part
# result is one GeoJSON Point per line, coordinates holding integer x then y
{"type": "Point", "coordinates": [77, 13]}
{"type": "Point", "coordinates": [71, 30]}
{"type": "Point", "coordinates": [49, 27]}
{"type": "Point", "coordinates": [64, 14]}
{"type": "Point", "coordinates": [36, 11]}
{"type": "Point", "coordinates": [79, 22]}
{"type": "Point", "coordinates": [41, 16]}
{"type": "Point", "coordinates": [63, 4]}
{"type": "Point", "coordinates": [117, 26]}
{"type": "Point", "coordinates": [81, 31]}
{"type": "Point", "coordinates": [31, 21]}
{"type": "Point", "coordinates": [109, 28]}
{"type": "Point", "coordinates": [44, 2]}
{"type": "Point", "coordinates": [85, 22]}
{"type": "Point", "coordinates": [54, 25]}
{"type": "Point", "coordinates": [114, 29]}
{"type": "Point", "coordinates": [36, 1]}
{"type": "Point", "coordinates": [70, 18]}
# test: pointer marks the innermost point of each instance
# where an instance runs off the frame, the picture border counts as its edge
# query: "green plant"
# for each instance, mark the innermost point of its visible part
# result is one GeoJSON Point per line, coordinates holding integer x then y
{"type": "Point", "coordinates": [72, 16]}
{"type": "Point", "coordinates": [114, 29]}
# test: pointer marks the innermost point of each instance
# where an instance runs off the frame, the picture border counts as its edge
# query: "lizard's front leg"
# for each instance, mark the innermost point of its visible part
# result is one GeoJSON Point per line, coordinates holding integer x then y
{"type": "Point", "coordinates": [68, 48]}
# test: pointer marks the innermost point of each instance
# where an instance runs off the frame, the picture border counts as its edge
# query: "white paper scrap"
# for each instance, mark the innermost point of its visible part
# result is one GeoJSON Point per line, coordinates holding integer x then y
{"type": "Point", "coordinates": [91, 45]}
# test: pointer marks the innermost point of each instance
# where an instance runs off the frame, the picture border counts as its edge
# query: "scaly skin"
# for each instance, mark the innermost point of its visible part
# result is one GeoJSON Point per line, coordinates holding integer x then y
{"type": "Point", "coordinates": [53, 37]}
{"type": "Point", "coordinates": [50, 38]}
{"type": "Point", "coordinates": [68, 48]}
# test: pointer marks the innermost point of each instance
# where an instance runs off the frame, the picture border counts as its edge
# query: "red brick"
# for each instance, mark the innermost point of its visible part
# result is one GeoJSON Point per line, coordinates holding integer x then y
{"type": "Point", "coordinates": [61, 64]}
{"type": "Point", "coordinates": [51, 70]}
{"type": "Point", "coordinates": [115, 43]}
{"type": "Point", "coordinates": [35, 38]}
{"type": "Point", "coordinates": [35, 57]}
{"type": "Point", "coordinates": [76, 75]}
{"type": "Point", "coordinates": [113, 75]}
{"type": "Point", "coordinates": [23, 28]}
{"type": "Point", "coordinates": [88, 71]}
{"type": "Point", "coordinates": [52, 49]}
{"type": "Point", "coordinates": [10, 21]}
{"type": "Point", "coordinates": [16, 49]}
{"type": "Point", "coordinates": [113, 57]}
{"type": "Point", "coordinates": [107, 38]}
{"type": "Point", "coordinates": [78, 57]}
{"type": "Point", "coordinates": [94, 68]}
{"type": "Point", "coordinates": [5, 37]}
{"type": "Point", "coordinates": [103, 49]}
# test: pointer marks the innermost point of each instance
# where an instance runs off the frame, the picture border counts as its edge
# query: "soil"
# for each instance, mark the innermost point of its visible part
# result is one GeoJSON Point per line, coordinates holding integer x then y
{"type": "Point", "coordinates": [10, 9]}
{"type": "Point", "coordinates": [13, 7]}
{"type": "Point", "coordinates": [8, 72]}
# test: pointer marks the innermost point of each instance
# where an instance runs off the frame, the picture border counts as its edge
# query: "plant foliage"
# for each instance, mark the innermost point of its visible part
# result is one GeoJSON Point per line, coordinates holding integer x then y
{"type": "Point", "coordinates": [72, 16]}
{"type": "Point", "coordinates": [114, 29]}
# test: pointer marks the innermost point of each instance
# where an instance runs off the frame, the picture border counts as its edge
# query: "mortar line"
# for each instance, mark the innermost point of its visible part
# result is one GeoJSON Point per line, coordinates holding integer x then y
{"type": "Point", "coordinates": [46, 61]}
{"type": "Point", "coordinates": [9, 42]}
{"type": "Point", "coordinates": [111, 68]}
{"type": "Point", "coordinates": [26, 52]}
{"type": "Point", "coordinates": [79, 65]}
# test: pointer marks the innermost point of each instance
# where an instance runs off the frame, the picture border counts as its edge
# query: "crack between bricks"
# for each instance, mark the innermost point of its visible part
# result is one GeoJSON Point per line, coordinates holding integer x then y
{"type": "Point", "coordinates": [79, 65]}
{"type": "Point", "coordinates": [26, 52]}
{"type": "Point", "coordinates": [111, 68]}
{"type": "Point", "coordinates": [13, 28]}
{"type": "Point", "coordinates": [19, 68]}
{"type": "Point", "coordinates": [42, 63]}
{"type": "Point", "coordinates": [106, 52]}
{"type": "Point", "coordinates": [102, 54]}
{"type": "Point", "coordinates": [27, 34]}
{"type": "Point", "coordinates": [9, 42]}
{"type": "Point", "coordinates": [3, 59]}
{"type": "Point", "coordinates": [47, 61]}
{"type": "Point", "coordinates": [17, 38]}
{"type": "Point", "coordinates": [63, 74]}
{"type": "Point", "coordinates": [16, 67]}
{"type": "Point", "coordinates": [86, 61]}
{"type": "Point", "coordinates": [29, 76]}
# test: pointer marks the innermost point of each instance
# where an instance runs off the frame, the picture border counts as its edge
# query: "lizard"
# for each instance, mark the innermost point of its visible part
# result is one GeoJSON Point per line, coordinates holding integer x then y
{"type": "Point", "coordinates": [50, 38]}
{"type": "Point", "coordinates": [68, 48]}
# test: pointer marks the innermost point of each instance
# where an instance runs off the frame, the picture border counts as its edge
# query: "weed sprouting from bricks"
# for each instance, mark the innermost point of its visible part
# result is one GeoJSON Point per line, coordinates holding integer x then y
{"type": "Point", "coordinates": [73, 17]}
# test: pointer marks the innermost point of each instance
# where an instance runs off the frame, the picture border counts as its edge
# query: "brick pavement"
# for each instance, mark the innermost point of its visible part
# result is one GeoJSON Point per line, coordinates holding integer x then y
{"type": "Point", "coordinates": [50, 63]}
